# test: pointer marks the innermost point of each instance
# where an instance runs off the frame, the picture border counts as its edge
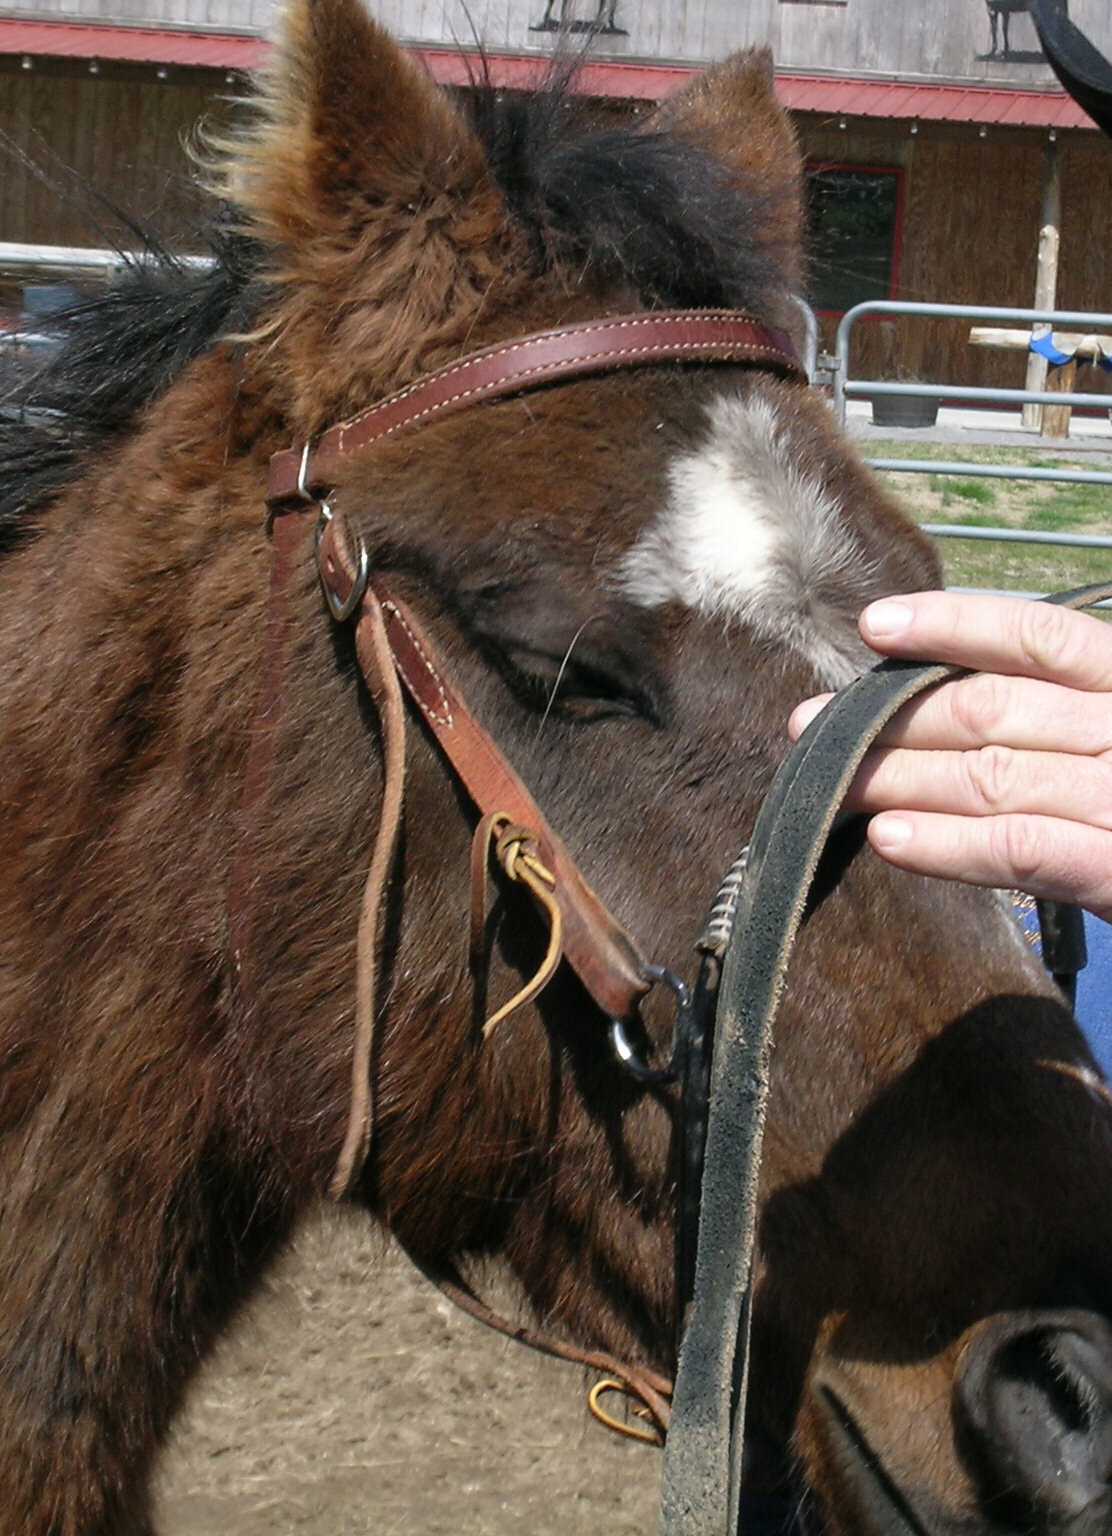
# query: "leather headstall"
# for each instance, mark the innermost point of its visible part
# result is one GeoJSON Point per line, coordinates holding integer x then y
{"type": "Point", "coordinates": [746, 944]}
{"type": "Point", "coordinates": [395, 653]}
{"type": "Point", "coordinates": [601, 953]}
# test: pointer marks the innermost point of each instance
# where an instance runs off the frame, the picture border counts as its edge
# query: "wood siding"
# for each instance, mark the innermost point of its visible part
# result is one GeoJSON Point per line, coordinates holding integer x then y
{"type": "Point", "coordinates": [214, 15]}
{"type": "Point", "coordinates": [970, 236]}
{"type": "Point", "coordinates": [122, 135]}
{"type": "Point", "coordinates": [946, 39]}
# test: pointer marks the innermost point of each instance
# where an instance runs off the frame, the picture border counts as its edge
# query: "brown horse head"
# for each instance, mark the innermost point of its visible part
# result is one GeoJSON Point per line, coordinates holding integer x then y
{"type": "Point", "coordinates": [630, 578]}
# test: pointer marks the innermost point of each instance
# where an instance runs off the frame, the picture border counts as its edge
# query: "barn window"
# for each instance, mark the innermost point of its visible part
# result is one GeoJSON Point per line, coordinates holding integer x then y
{"type": "Point", "coordinates": [854, 215]}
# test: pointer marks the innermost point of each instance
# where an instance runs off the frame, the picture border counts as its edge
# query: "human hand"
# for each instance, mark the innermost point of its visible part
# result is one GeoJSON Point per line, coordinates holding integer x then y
{"type": "Point", "coordinates": [1003, 778]}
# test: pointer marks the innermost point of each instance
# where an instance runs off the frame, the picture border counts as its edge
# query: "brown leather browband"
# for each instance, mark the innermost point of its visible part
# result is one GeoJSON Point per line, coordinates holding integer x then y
{"type": "Point", "coordinates": [546, 357]}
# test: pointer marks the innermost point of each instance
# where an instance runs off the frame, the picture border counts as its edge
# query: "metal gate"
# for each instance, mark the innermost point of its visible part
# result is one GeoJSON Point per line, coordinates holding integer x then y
{"type": "Point", "coordinates": [846, 387]}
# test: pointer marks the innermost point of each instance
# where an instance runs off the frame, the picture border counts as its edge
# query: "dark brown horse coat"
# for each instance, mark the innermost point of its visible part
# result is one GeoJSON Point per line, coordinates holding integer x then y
{"type": "Point", "coordinates": [632, 579]}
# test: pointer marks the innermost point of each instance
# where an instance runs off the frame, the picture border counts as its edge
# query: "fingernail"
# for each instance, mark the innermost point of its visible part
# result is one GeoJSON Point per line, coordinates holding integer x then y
{"type": "Point", "coordinates": [803, 714]}
{"type": "Point", "coordinates": [890, 833]}
{"type": "Point", "coordinates": [886, 618]}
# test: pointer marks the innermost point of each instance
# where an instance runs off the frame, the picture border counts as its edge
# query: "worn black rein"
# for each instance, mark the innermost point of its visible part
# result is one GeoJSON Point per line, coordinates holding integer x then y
{"type": "Point", "coordinates": [703, 1456]}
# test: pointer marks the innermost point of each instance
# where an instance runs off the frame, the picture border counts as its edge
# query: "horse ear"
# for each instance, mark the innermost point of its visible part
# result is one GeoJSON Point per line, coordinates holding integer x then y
{"type": "Point", "coordinates": [385, 234]}
{"type": "Point", "coordinates": [350, 128]}
{"type": "Point", "coordinates": [732, 111]}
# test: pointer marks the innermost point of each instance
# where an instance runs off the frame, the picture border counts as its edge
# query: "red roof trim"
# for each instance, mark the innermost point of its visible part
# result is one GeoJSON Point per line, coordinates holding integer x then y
{"type": "Point", "coordinates": [825, 94]}
{"type": "Point", "coordinates": [1007, 105]}
{"type": "Point", "coordinates": [631, 82]}
{"type": "Point", "coordinates": [139, 45]}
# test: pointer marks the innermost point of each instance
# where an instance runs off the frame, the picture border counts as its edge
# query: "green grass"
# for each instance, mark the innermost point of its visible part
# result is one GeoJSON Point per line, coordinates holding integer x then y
{"type": "Point", "coordinates": [972, 502]}
{"type": "Point", "coordinates": [954, 491]}
{"type": "Point", "coordinates": [1022, 568]}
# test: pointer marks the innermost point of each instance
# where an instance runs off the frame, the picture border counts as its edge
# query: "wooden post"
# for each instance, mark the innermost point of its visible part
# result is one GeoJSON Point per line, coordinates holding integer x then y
{"type": "Point", "coordinates": [1056, 418]}
{"type": "Point", "coordinates": [1046, 279]}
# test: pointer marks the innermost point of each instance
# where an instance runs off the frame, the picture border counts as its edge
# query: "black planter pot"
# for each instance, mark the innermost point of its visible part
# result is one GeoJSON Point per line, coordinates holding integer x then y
{"type": "Point", "coordinates": [904, 410]}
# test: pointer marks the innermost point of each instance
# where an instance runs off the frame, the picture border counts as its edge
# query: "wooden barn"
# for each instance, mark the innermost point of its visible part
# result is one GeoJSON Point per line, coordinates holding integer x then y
{"type": "Point", "coordinates": [937, 140]}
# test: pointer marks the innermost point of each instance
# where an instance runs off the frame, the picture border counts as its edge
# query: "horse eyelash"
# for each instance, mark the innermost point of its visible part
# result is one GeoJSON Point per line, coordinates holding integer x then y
{"type": "Point", "coordinates": [554, 690]}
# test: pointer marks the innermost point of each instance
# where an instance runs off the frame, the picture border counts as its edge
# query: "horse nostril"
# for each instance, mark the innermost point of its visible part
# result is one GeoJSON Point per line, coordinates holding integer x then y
{"type": "Point", "coordinates": [1034, 1413]}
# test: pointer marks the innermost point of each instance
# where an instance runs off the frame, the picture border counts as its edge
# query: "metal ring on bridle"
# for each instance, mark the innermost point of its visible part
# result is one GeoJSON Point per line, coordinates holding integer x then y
{"type": "Point", "coordinates": [342, 609]}
{"type": "Point", "coordinates": [626, 1051]}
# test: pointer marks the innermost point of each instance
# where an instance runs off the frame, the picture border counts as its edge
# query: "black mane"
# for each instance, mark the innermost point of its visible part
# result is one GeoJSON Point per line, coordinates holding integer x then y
{"type": "Point", "coordinates": [114, 353]}
{"type": "Point", "coordinates": [647, 209]}
{"type": "Point", "coordinates": [635, 207]}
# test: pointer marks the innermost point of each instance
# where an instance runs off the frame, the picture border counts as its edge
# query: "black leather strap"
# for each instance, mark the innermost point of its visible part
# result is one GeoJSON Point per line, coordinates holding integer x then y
{"type": "Point", "coordinates": [702, 1458]}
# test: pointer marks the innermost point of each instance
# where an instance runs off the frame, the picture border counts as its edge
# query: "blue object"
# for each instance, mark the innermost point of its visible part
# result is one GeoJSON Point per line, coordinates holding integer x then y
{"type": "Point", "coordinates": [1094, 983]}
{"type": "Point", "coordinates": [1094, 992]}
{"type": "Point", "coordinates": [1044, 346]}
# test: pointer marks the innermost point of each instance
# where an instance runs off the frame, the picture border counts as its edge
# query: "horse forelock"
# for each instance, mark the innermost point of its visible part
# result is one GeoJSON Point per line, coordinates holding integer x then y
{"type": "Point", "coordinates": [753, 531]}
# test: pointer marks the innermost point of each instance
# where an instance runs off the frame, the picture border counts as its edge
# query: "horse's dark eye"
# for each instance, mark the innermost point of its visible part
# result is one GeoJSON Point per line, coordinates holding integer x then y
{"type": "Point", "coordinates": [579, 707]}
{"type": "Point", "coordinates": [575, 690]}
{"type": "Point", "coordinates": [581, 688]}
{"type": "Point", "coordinates": [585, 692]}
{"type": "Point", "coordinates": [591, 667]}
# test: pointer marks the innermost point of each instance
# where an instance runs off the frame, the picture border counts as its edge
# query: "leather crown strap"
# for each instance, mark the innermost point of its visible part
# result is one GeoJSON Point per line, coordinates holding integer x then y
{"type": "Point", "coordinates": [598, 949]}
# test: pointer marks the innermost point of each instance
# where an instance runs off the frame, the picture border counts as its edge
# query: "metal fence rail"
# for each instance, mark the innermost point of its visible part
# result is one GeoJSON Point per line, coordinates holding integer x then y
{"type": "Point", "coordinates": [60, 260]}
{"type": "Point", "coordinates": [1016, 535]}
{"type": "Point", "coordinates": [994, 471]}
{"type": "Point", "coordinates": [845, 386]}
{"type": "Point", "coordinates": [13, 341]}
{"type": "Point", "coordinates": [810, 336]}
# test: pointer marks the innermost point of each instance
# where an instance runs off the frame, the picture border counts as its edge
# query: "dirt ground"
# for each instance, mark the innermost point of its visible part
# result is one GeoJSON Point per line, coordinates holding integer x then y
{"type": "Point", "coordinates": [353, 1400]}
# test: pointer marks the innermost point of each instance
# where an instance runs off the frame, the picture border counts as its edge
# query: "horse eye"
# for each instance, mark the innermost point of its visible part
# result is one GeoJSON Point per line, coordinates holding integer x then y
{"type": "Point", "coordinates": [592, 670]}
{"type": "Point", "coordinates": [553, 685]}
{"type": "Point", "coordinates": [589, 693]}
{"type": "Point", "coordinates": [583, 707]}
{"type": "Point", "coordinates": [598, 688]}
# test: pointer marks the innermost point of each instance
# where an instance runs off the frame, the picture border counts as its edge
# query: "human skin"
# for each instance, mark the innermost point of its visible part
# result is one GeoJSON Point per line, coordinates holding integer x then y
{"type": "Point", "coordinates": [1003, 778]}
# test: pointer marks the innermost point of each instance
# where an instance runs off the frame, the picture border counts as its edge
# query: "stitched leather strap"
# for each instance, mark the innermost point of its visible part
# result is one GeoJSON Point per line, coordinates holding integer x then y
{"type": "Point", "coordinates": [547, 357]}
{"type": "Point", "coordinates": [597, 948]}
{"type": "Point", "coordinates": [701, 1480]}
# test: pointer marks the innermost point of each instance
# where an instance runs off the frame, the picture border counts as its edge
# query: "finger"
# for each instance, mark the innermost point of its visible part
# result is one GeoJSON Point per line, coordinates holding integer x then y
{"type": "Point", "coordinates": [997, 634]}
{"type": "Point", "coordinates": [1017, 712]}
{"type": "Point", "coordinates": [1059, 860]}
{"type": "Point", "coordinates": [802, 715]}
{"type": "Point", "coordinates": [991, 781]}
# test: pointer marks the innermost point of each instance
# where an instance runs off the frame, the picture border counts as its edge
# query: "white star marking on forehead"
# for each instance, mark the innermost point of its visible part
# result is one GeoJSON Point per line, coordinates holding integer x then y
{"type": "Point", "coordinates": [747, 534]}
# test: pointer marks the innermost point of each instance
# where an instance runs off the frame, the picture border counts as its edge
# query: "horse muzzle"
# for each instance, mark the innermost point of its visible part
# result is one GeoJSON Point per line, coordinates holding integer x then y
{"type": "Point", "coordinates": [1008, 1435]}
{"type": "Point", "coordinates": [1033, 1405]}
